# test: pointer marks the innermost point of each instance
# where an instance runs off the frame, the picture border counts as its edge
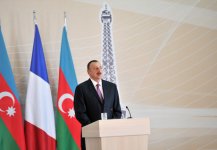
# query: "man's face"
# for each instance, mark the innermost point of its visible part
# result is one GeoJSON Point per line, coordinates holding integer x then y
{"type": "Point", "coordinates": [95, 71]}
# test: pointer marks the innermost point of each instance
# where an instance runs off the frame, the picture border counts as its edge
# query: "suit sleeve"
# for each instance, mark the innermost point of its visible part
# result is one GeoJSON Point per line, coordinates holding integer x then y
{"type": "Point", "coordinates": [80, 108]}
{"type": "Point", "coordinates": [116, 106]}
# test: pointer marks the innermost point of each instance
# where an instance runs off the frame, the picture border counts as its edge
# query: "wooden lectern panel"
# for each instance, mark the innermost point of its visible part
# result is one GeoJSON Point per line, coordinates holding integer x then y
{"type": "Point", "coordinates": [118, 143]}
{"type": "Point", "coordinates": [117, 127]}
{"type": "Point", "coordinates": [117, 134]}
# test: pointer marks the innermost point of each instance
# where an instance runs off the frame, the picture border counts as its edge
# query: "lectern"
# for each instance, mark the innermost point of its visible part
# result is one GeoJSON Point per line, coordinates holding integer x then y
{"type": "Point", "coordinates": [117, 134]}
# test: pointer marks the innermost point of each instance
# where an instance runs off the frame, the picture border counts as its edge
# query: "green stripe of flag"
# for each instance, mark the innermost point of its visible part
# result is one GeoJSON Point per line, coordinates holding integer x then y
{"type": "Point", "coordinates": [64, 138]}
{"type": "Point", "coordinates": [6, 140]}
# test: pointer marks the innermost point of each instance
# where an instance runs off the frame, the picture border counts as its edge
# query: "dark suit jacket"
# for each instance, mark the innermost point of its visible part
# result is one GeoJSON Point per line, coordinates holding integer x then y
{"type": "Point", "coordinates": [87, 104]}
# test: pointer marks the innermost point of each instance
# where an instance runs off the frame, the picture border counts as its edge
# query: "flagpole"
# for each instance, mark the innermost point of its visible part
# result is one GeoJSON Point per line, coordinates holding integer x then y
{"type": "Point", "coordinates": [65, 20]}
{"type": "Point", "coordinates": [34, 17]}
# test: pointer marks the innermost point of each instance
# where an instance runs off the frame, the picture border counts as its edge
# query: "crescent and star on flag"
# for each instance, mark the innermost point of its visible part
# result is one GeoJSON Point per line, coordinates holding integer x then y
{"type": "Point", "coordinates": [71, 112]}
{"type": "Point", "coordinates": [11, 109]}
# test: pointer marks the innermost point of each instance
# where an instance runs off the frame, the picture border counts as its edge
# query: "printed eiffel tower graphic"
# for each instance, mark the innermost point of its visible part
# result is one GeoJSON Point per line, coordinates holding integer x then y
{"type": "Point", "coordinates": [108, 58]}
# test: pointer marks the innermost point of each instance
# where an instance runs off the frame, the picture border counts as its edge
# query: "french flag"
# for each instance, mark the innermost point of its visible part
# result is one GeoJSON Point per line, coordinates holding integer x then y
{"type": "Point", "coordinates": [39, 114]}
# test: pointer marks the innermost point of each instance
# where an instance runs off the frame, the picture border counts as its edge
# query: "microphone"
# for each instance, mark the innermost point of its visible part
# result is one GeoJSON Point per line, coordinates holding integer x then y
{"type": "Point", "coordinates": [129, 112]}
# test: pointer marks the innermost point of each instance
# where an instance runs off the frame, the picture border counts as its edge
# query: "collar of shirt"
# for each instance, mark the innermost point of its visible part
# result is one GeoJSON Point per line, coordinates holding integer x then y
{"type": "Point", "coordinates": [95, 83]}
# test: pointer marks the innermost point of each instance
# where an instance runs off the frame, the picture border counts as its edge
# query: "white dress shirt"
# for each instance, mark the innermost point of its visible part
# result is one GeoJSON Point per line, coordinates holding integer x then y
{"type": "Point", "coordinates": [100, 86]}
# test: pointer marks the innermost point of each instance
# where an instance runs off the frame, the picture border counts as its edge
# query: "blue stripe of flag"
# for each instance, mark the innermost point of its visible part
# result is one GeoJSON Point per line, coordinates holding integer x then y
{"type": "Point", "coordinates": [5, 67]}
{"type": "Point", "coordinates": [66, 62]}
{"type": "Point", "coordinates": [38, 65]}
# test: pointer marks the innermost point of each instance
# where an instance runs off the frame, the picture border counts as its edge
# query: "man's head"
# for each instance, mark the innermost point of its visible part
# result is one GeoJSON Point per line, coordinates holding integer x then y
{"type": "Point", "coordinates": [94, 69]}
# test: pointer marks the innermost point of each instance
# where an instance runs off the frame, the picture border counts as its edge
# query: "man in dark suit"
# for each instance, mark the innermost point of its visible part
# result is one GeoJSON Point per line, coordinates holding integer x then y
{"type": "Point", "coordinates": [96, 96]}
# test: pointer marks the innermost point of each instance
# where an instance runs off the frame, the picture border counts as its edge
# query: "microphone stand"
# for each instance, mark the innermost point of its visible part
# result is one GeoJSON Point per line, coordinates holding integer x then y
{"type": "Point", "coordinates": [129, 113]}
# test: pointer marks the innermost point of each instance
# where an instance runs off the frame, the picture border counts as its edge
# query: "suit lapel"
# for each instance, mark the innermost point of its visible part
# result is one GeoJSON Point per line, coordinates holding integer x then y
{"type": "Point", "coordinates": [105, 91]}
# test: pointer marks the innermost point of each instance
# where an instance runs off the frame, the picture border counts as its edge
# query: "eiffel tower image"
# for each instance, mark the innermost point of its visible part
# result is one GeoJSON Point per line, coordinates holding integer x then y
{"type": "Point", "coordinates": [108, 58]}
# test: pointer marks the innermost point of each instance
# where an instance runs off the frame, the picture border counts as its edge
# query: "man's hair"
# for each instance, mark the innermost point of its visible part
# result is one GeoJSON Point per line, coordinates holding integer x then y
{"type": "Point", "coordinates": [88, 65]}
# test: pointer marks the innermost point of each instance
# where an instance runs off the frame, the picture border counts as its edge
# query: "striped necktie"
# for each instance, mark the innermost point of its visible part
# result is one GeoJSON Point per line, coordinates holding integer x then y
{"type": "Point", "coordinates": [99, 92]}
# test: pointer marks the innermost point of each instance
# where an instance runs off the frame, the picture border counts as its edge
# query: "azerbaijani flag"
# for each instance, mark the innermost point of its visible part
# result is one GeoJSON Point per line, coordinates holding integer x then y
{"type": "Point", "coordinates": [11, 122]}
{"type": "Point", "coordinates": [39, 114]}
{"type": "Point", "coordinates": [68, 128]}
